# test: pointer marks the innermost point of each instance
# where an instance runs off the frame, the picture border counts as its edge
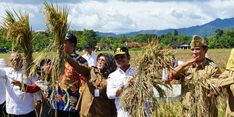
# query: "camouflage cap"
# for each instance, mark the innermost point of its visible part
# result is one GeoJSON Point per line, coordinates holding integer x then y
{"type": "Point", "coordinates": [197, 41]}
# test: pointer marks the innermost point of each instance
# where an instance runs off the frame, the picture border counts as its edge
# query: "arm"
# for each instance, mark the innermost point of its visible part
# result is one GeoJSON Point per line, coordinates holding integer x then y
{"type": "Point", "coordinates": [175, 73]}
{"type": "Point", "coordinates": [37, 97]}
{"type": "Point", "coordinates": [2, 73]}
{"type": "Point", "coordinates": [111, 89]}
{"type": "Point", "coordinates": [33, 88]}
{"type": "Point", "coordinates": [82, 69]}
{"type": "Point", "coordinates": [225, 79]}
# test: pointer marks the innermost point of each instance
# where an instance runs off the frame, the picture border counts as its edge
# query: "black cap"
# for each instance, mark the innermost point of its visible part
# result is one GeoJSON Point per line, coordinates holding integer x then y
{"type": "Point", "coordinates": [71, 38]}
{"type": "Point", "coordinates": [89, 46]}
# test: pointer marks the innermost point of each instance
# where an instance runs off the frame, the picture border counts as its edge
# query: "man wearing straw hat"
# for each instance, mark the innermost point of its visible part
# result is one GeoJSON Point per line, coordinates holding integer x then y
{"type": "Point", "coordinates": [193, 74]}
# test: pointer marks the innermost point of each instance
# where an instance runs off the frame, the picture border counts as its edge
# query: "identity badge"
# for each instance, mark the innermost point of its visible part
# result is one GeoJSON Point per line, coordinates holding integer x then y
{"type": "Point", "coordinates": [96, 93]}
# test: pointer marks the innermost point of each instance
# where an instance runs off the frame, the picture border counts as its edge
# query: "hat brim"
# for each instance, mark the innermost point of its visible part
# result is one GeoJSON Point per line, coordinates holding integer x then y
{"type": "Point", "coordinates": [119, 53]}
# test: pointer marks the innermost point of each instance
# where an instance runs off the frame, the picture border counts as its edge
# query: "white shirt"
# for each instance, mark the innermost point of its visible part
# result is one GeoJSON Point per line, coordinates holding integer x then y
{"type": "Point", "coordinates": [2, 81]}
{"type": "Point", "coordinates": [18, 102]}
{"type": "Point", "coordinates": [116, 80]}
{"type": "Point", "coordinates": [92, 59]}
{"type": "Point", "coordinates": [2, 86]}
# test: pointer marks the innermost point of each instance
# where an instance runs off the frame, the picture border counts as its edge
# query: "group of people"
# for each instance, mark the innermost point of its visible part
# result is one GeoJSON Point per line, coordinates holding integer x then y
{"type": "Point", "coordinates": [92, 84]}
{"type": "Point", "coordinates": [90, 87]}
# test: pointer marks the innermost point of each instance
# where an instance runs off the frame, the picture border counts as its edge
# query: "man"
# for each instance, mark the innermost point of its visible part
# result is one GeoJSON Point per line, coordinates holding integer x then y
{"type": "Point", "coordinates": [120, 79]}
{"type": "Point", "coordinates": [18, 102]}
{"type": "Point", "coordinates": [2, 90]}
{"type": "Point", "coordinates": [193, 73]}
{"type": "Point", "coordinates": [226, 81]}
{"type": "Point", "coordinates": [70, 85]}
{"type": "Point", "coordinates": [90, 56]}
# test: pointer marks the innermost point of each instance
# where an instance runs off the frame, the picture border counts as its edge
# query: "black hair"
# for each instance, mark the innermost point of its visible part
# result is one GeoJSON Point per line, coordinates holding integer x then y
{"type": "Point", "coordinates": [71, 38]}
{"type": "Point", "coordinates": [43, 61]}
{"type": "Point", "coordinates": [110, 64]}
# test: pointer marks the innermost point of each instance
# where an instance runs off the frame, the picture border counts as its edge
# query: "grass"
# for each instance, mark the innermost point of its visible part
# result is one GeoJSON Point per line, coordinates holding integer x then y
{"type": "Point", "coordinates": [173, 109]}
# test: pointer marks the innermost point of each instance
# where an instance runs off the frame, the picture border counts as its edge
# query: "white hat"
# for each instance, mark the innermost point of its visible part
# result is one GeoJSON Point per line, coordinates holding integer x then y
{"type": "Point", "coordinates": [3, 62]}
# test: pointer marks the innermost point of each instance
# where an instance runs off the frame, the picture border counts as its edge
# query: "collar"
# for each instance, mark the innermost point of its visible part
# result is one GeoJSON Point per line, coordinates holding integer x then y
{"type": "Point", "coordinates": [74, 55]}
{"type": "Point", "coordinates": [129, 68]}
{"type": "Point", "coordinates": [201, 65]}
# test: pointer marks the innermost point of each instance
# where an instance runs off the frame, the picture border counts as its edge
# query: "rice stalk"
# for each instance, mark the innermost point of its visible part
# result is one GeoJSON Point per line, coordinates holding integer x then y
{"type": "Point", "coordinates": [138, 96]}
{"type": "Point", "coordinates": [202, 100]}
{"type": "Point", "coordinates": [56, 19]}
{"type": "Point", "coordinates": [18, 28]}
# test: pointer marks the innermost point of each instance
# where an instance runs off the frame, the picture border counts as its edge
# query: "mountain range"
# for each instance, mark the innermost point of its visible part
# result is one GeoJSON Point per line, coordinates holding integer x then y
{"type": "Point", "coordinates": [203, 30]}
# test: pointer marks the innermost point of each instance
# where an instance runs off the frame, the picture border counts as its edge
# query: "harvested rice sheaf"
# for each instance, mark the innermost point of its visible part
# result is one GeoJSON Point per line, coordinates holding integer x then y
{"type": "Point", "coordinates": [56, 19]}
{"type": "Point", "coordinates": [138, 96]}
{"type": "Point", "coordinates": [18, 28]}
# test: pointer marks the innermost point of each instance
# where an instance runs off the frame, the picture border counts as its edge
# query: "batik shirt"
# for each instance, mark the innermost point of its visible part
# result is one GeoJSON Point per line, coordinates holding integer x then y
{"type": "Point", "coordinates": [67, 95]}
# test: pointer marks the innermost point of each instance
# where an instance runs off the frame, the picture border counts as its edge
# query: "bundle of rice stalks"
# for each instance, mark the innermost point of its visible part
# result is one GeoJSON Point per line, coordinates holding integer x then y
{"type": "Point", "coordinates": [56, 19]}
{"type": "Point", "coordinates": [202, 101]}
{"type": "Point", "coordinates": [138, 97]}
{"type": "Point", "coordinates": [18, 28]}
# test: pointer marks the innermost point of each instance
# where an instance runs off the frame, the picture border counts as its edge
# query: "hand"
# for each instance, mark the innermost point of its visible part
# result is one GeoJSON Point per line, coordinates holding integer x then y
{"type": "Point", "coordinates": [38, 107]}
{"type": "Point", "coordinates": [16, 83]}
{"type": "Point", "coordinates": [191, 61]}
{"type": "Point", "coordinates": [59, 97]}
{"type": "Point", "coordinates": [65, 80]}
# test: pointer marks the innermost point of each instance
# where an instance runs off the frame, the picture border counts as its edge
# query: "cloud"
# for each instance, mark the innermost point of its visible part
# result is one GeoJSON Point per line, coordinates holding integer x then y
{"type": "Point", "coordinates": [129, 15]}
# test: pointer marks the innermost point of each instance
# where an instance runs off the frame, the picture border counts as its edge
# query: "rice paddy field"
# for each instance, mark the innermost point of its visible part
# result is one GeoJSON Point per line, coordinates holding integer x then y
{"type": "Point", "coordinates": [173, 108]}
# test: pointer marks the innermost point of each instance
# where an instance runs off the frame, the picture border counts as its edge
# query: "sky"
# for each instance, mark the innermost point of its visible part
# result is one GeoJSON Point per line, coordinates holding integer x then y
{"type": "Point", "coordinates": [122, 16]}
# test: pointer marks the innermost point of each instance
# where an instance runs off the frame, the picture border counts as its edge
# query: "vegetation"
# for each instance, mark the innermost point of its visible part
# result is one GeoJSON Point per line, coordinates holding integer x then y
{"type": "Point", "coordinates": [220, 39]}
{"type": "Point", "coordinates": [174, 109]}
{"type": "Point", "coordinates": [17, 27]}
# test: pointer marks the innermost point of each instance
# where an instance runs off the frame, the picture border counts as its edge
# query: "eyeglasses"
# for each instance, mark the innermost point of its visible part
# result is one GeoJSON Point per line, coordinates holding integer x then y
{"type": "Point", "coordinates": [118, 57]}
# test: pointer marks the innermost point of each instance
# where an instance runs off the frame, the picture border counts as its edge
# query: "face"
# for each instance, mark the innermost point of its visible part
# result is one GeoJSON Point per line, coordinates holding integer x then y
{"type": "Point", "coordinates": [68, 47]}
{"type": "Point", "coordinates": [46, 68]}
{"type": "Point", "coordinates": [122, 60]}
{"type": "Point", "coordinates": [16, 63]}
{"type": "Point", "coordinates": [89, 50]}
{"type": "Point", "coordinates": [101, 62]}
{"type": "Point", "coordinates": [199, 52]}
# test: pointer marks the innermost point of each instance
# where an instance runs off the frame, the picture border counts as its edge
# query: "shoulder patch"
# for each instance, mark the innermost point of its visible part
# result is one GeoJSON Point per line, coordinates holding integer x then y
{"type": "Point", "coordinates": [213, 64]}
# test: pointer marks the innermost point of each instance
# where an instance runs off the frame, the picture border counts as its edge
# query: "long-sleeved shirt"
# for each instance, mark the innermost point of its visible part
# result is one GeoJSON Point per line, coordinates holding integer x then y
{"type": "Point", "coordinates": [116, 80]}
{"type": "Point", "coordinates": [18, 102]}
{"type": "Point", "coordinates": [92, 59]}
{"type": "Point", "coordinates": [2, 87]}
